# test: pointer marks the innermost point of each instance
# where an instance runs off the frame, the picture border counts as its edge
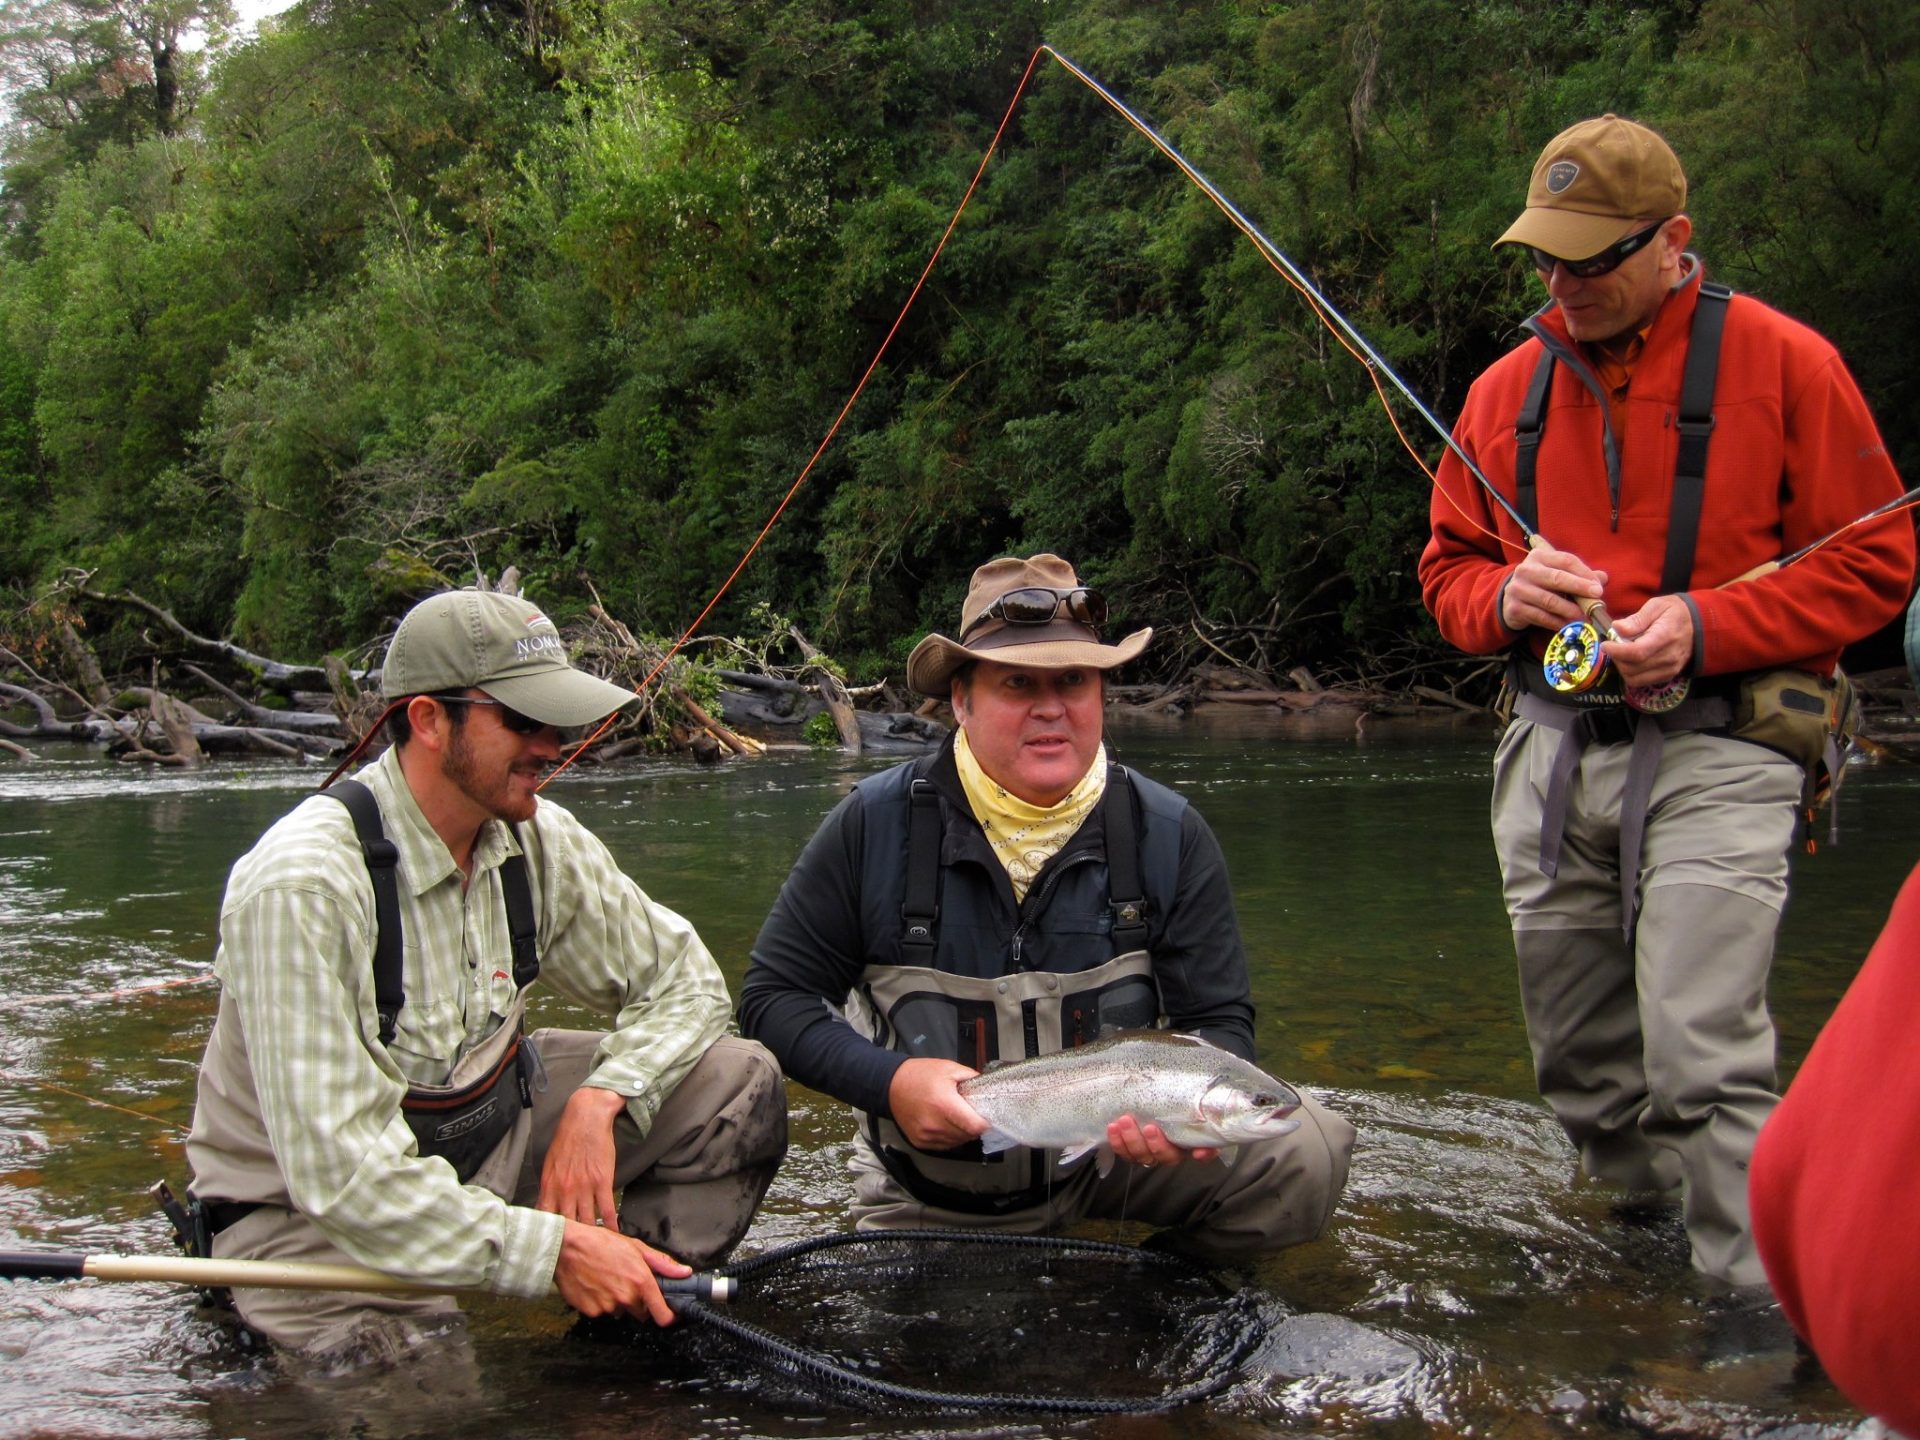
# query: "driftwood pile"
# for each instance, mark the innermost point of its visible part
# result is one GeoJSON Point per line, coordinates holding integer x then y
{"type": "Point", "coordinates": [203, 697]}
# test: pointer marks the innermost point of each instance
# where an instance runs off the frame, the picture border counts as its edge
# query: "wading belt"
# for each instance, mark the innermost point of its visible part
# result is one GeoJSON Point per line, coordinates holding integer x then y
{"type": "Point", "coordinates": [1126, 892]}
{"type": "Point", "coordinates": [1607, 719]}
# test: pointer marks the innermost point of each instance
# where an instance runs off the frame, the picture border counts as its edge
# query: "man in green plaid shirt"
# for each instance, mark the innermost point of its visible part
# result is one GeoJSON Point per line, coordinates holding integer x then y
{"type": "Point", "coordinates": [327, 1131]}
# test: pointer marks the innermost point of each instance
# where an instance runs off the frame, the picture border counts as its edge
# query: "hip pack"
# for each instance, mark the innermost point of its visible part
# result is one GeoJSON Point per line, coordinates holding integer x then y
{"type": "Point", "coordinates": [1810, 719]}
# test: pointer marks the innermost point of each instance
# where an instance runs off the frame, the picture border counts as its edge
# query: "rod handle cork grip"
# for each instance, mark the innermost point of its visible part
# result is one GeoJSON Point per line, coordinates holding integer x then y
{"type": "Point", "coordinates": [280, 1274]}
{"type": "Point", "coordinates": [1595, 609]}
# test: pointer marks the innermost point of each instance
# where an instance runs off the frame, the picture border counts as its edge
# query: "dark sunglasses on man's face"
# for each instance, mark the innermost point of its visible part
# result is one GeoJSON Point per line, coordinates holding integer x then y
{"type": "Point", "coordinates": [1605, 263]}
{"type": "Point", "coordinates": [1037, 605]}
{"type": "Point", "coordinates": [511, 718]}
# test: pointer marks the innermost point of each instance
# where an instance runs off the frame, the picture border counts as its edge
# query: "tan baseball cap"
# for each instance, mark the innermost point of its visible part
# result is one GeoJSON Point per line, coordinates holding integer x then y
{"type": "Point", "coordinates": [1062, 643]}
{"type": "Point", "coordinates": [477, 639]}
{"type": "Point", "coordinates": [1594, 184]}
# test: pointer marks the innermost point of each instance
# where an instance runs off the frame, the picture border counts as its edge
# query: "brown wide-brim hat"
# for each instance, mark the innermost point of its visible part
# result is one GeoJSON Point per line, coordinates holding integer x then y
{"type": "Point", "coordinates": [1060, 644]}
{"type": "Point", "coordinates": [1596, 183]}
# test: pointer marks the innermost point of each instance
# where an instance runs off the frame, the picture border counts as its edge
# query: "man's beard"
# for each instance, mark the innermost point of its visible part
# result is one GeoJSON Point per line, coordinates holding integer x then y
{"type": "Point", "coordinates": [495, 795]}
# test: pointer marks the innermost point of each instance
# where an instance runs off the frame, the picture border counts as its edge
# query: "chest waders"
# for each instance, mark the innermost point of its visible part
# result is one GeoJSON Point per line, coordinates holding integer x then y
{"type": "Point", "coordinates": [1601, 716]}
{"type": "Point", "coordinates": [925, 1012]}
{"type": "Point", "coordinates": [465, 1119]}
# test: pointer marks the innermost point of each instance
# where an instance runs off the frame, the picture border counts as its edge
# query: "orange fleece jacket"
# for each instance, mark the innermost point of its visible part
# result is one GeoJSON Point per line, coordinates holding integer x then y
{"type": "Point", "coordinates": [1794, 456]}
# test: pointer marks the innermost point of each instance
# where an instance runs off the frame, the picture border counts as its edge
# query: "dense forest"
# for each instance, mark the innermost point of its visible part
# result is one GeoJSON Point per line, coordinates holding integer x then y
{"type": "Point", "coordinates": [297, 326]}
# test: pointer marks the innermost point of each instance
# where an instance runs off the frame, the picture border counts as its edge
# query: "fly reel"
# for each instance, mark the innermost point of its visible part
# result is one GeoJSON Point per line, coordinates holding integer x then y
{"type": "Point", "coordinates": [1576, 662]}
{"type": "Point", "coordinates": [1658, 699]}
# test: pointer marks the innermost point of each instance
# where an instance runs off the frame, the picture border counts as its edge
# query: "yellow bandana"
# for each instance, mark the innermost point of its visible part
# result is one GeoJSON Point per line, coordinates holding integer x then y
{"type": "Point", "coordinates": [1024, 837]}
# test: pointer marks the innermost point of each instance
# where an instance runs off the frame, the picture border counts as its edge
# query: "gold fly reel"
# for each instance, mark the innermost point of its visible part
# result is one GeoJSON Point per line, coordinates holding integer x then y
{"type": "Point", "coordinates": [1574, 661]}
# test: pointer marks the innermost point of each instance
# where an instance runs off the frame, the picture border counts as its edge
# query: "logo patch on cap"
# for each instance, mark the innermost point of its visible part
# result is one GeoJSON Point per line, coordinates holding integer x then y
{"type": "Point", "coordinates": [1560, 175]}
{"type": "Point", "coordinates": [536, 618]}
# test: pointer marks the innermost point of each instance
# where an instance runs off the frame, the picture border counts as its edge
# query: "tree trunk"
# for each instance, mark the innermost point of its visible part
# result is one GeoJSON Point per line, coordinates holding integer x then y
{"type": "Point", "coordinates": [833, 693]}
{"type": "Point", "coordinates": [84, 665]}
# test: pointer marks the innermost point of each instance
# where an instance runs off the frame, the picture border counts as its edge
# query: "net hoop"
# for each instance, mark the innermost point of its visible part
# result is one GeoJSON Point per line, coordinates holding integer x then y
{"type": "Point", "coordinates": [767, 1351]}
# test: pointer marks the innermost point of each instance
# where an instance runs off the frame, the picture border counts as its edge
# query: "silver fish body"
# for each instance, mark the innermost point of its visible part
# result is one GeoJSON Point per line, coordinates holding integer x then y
{"type": "Point", "coordinates": [1198, 1094]}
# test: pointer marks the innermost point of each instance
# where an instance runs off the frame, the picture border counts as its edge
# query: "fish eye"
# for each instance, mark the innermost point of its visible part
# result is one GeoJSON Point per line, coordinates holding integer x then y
{"type": "Point", "coordinates": [1267, 1100]}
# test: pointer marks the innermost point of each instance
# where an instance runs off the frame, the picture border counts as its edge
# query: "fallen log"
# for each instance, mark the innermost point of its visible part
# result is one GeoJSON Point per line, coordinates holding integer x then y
{"type": "Point", "coordinates": [1441, 697]}
{"type": "Point", "coordinates": [312, 722]}
{"type": "Point", "coordinates": [898, 731]}
{"type": "Point", "coordinates": [84, 664]}
{"type": "Point", "coordinates": [264, 668]}
{"type": "Point", "coordinates": [125, 733]}
{"type": "Point", "coordinates": [175, 722]}
{"type": "Point", "coordinates": [739, 744]}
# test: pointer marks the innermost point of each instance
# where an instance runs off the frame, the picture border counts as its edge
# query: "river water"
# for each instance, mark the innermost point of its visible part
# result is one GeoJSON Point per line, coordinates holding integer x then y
{"type": "Point", "coordinates": [1471, 1284]}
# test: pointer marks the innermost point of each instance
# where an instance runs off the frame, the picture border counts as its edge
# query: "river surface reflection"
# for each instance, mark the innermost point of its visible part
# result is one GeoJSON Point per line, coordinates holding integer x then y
{"type": "Point", "coordinates": [1477, 1285]}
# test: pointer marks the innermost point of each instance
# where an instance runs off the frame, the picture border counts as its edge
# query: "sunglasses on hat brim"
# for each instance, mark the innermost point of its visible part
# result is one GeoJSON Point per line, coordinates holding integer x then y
{"type": "Point", "coordinates": [1041, 605]}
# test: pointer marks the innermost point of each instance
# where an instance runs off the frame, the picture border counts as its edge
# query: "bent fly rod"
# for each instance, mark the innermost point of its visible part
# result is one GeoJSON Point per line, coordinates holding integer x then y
{"type": "Point", "coordinates": [278, 1274]}
{"type": "Point", "coordinates": [1336, 322]}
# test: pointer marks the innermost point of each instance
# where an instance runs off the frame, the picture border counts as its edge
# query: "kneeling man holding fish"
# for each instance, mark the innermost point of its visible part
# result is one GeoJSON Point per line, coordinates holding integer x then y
{"type": "Point", "coordinates": [1015, 896]}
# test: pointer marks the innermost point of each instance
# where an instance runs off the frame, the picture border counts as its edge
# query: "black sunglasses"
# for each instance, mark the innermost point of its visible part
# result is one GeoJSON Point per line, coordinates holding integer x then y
{"type": "Point", "coordinates": [1605, 263]}
{"type": "Point", "coordinates": [511, 718]}
{"type": "Point", "coordinates": [1037, 605]}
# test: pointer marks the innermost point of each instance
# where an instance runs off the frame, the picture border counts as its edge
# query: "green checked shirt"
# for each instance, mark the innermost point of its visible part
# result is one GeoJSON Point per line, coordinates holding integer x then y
{"type": "Point", "coordinates": [299, 1102]}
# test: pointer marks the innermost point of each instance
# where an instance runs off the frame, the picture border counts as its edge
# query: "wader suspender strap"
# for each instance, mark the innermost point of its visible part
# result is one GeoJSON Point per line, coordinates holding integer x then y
{"type": "Point", "coordinates": [389, 993]}
{"type": "Point", "coordinates": [382, 855]}
{"type": "Point", "coordinates": [1526, 439]}
{"type": "Point", "coordinates": [1696, 428]}
{"type": "Point", "coordinates": [1126, 893]}
{"type": "Point", "coordinates": [921, 909]}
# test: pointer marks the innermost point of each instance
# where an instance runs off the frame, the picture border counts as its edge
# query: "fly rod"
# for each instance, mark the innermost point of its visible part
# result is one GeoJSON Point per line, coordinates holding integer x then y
{"type": "Point", "coordinates": [1330, 314]}
{"type": "Point", "coordinates": [277, 1274]}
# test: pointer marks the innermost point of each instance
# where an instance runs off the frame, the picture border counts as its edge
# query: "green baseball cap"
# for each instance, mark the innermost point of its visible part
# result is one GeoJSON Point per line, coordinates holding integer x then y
{"type": "Point", "coordinates": [480, 640]}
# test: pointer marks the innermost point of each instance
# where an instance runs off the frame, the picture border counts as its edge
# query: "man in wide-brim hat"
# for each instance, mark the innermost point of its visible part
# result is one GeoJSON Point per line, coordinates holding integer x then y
{"type": "Point", "coordinates": [1012, 895]}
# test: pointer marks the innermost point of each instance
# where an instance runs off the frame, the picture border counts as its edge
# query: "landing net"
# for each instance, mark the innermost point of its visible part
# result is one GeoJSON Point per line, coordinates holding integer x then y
{"type": "Point", "coordinates": [945, 1320]}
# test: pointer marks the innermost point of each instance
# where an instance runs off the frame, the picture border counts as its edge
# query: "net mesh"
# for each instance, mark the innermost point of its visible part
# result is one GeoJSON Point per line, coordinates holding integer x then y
{"type": "Point", "coordinates": [963, 1321]}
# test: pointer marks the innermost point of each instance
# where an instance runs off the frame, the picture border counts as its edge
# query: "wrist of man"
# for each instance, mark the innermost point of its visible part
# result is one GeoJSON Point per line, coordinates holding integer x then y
{"type": "Point", "coordinates": [597, 1102]}
{"type": "Point", "coordinates": [1500, 608]}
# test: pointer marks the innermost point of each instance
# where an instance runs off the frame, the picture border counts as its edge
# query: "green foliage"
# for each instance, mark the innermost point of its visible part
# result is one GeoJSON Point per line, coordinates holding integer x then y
{"type": "Point", "coordinates": [820, 731]}
{"type": "Point", "coordinates": [427, 287]}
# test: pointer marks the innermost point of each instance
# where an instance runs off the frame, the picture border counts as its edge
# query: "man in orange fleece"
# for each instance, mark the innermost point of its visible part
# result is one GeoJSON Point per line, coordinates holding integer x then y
{"type": "Point", "coordinates": [1643, 847]}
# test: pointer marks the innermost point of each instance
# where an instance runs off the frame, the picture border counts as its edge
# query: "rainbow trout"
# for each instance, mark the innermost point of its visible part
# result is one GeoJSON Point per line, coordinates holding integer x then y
{"type": "Point", "coordinates": [1197, 1093]}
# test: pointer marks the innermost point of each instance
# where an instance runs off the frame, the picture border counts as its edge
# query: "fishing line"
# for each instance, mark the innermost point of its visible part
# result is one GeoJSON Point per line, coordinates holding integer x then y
{"type": "Point", "coordinates": [12, 1078]}
{"type": "Point", "coordinates": [832, 430]}
{"type": "Point", "coordinates": [1336, 324]}
{"type": "Point", "coordinates": [20, 1002]}
{"type": "Point", "coordinates": [1330, 316]}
